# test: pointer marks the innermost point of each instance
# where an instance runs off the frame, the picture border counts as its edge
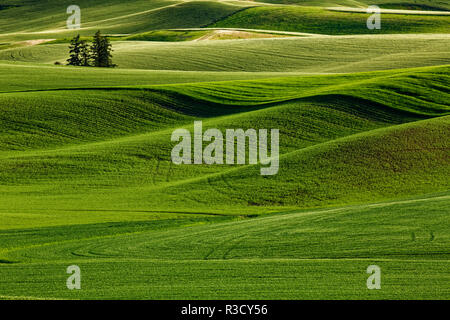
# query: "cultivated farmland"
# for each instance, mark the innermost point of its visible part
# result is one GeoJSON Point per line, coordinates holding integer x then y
{"type": "Point", "coordinates": [87, 178]}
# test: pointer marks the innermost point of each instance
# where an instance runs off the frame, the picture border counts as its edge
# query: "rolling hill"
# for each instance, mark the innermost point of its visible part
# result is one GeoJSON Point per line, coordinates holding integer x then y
{"type": "Point", "coordinates": [272, 257]}
{"type": "Point", "coordinates": [116, 136]}
{"type": "Point", "coordinates": [87, 179]}
{"type": "Point", "coordinates": [428, 5]}
{"type": "Point", "coordinates": [332, 22]}
{"type": "Point", "coordinates": [305, 54]}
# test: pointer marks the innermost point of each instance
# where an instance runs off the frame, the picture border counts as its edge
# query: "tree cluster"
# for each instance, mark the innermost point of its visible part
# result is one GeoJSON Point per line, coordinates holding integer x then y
{"type": "Point", "coordinates": [97, 54]}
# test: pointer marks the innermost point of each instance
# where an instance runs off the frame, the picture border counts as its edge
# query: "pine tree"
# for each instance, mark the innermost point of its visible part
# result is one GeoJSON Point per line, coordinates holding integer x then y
{"type": "Point", "coordinates": [85, 54]}
{"type": "Point", "coordinates": [107, 53]}
{"type": "Point", "coordinates": [101, 51]}
{"type": "Point", "coordinates": [95, 49]}
{"type": "Point", "coordinates": [75, 50]}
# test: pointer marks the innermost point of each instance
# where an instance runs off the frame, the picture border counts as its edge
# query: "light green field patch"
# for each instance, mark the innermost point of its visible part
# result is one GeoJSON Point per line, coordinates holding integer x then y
{"type": "Point", "coordinates": [87, 178]}
{"type": "Point", "coordinates": [293, 54]}
{"type": "Point", "coordinates": [304, 255]}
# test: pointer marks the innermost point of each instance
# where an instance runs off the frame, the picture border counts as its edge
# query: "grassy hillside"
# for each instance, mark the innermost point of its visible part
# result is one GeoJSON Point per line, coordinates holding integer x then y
{"type": "Point", "coordinates": [86, 175]}
{"type": "Point", "coordinates": [301, 54]}
{"type": "Point", "coordinates": [130, 139]}
{"type": "Point", "coordinates": [47, 19]}
{"type": "Point", "coordinates": [324, 253]}
{"type": "Point", "coordinates": [201, 35]}
{"type": "Point", "coordinates": [391, 4]}
{"type": "Point", "coordinates": [365, 167]}
{"type": "Point", "coordinates": [168, 35]}
{"type": "Point", "coordinates": [323, 21]}
{"type": "Point", "coordinates": [45, 77]}
{"type": "Point", "coordinates": [407, 89]}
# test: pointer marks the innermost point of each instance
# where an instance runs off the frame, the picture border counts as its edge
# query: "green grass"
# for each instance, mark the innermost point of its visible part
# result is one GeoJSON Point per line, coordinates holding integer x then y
{"type": "Point", "coordinates": [86, 175]}
{"type": "Point", "coordinates": [428, 6]}
{"type": "Point", "coordinates": [172, 36]}
{"type": "Point", "coordinates": [407, 89]}
{"type": "Point", "coordinates": [45, 77]}
{"type": "Point", "coordinates": [320, 254]}
{"type": "Point", "coordinates": [322, 21]}
{"type": "Point", "coordinates": [293, 54]}
{"type": "Point", "coordinates": [103, 159]}
{"type": "Point", "coordinates": [168, 35]}
{"type": "Point", "coordinates": [47, 19]}
{"type": "Point", "coordinates": [389, 4]}
{"type": "Point", "coordinates": [198, 34]}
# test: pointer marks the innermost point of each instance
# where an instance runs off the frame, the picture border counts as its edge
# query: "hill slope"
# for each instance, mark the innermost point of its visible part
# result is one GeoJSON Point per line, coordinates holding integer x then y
{"type": "Point", "coordinates": [86, 175]}
{"type": "Point", "coordinates": [112, 152]}
{"type": "Point", "coordinates": [324, 21]}
{"type": "Point", "coordinates": [393, 4]}
{"type": "Point", "coordinates": [324, 253]}
{"type": "Point", "coordinates": [306, 54]}
{"type": "Point", "coordinates": [49, 17]}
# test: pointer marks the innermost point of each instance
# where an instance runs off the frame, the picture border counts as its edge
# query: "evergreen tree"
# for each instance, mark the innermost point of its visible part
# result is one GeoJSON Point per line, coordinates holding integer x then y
{"type": "Point", "coordinates": [95, 49]}
{"type": "Point", "coordinates": [107, 53]}
{"type": "Point", "coordinates": [75, 50]}
{"type": "Point", "coordinates": [101, 51]}
{"type": "Point", "coordinates": [85, 54]}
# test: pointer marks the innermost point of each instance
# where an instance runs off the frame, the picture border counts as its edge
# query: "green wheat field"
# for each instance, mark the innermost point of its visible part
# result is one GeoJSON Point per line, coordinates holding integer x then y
{"type": "Point", "coordinates": [86, 176]}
